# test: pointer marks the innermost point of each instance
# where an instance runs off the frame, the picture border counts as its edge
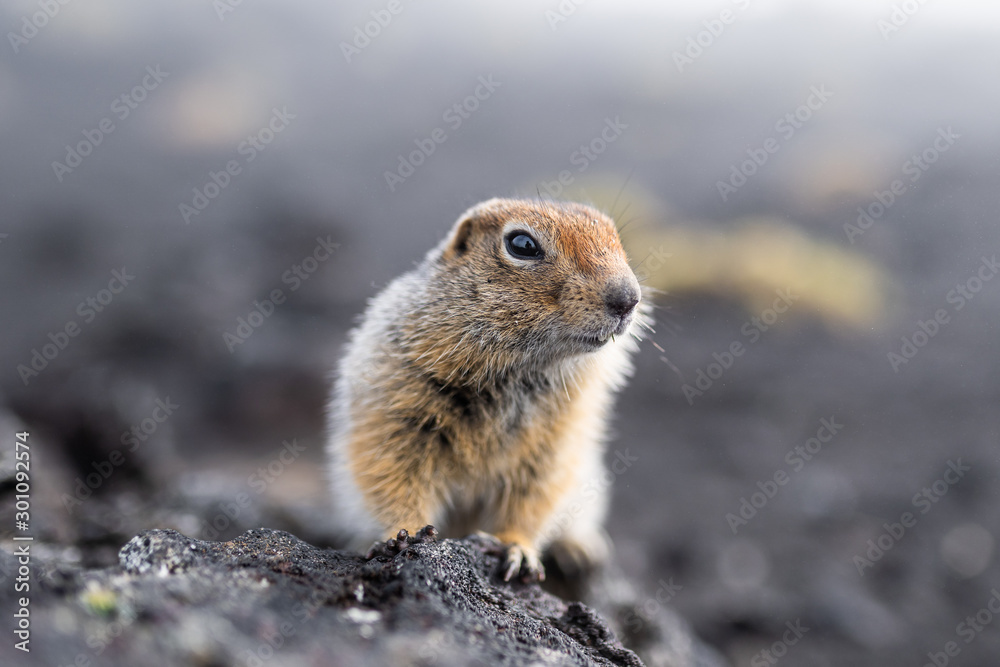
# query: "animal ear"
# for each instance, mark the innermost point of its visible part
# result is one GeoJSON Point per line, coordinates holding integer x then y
{"type": "Point", "coordinates": [480, 217]}
{"type": "Point", "coordinates": [457, 243]}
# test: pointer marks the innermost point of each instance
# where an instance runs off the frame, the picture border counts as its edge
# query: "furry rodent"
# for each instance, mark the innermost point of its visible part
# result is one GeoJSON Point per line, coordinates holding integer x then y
{"type": "Point", "coordinates": [476, 391]}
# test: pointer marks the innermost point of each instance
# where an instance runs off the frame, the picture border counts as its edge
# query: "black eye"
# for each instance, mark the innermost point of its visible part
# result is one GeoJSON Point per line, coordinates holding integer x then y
{"type": "Point", "coordinates": [523, 246]}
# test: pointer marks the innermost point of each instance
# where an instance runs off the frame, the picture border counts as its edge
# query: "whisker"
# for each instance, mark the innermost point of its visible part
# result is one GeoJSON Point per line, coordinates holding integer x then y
{"type": "Point", "coordinates": [620, 191]}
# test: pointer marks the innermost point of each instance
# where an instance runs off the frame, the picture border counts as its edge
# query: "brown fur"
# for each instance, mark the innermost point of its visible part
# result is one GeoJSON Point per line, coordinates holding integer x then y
{"type": "Point", "coordinates": [469, 397]}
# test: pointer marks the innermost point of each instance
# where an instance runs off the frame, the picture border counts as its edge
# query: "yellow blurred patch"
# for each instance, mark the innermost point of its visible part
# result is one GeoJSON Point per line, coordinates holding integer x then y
{"type": "Point", "coordinates": [748, 261]}
{"type": "Point", "coordinates": [757, 257]}
{"type": "Point", "coordinates": [100, 601]}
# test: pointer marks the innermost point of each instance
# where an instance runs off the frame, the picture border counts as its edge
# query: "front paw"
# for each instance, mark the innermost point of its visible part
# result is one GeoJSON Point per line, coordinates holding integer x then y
{"type": "Point", "coordinates": [524, 560]}
{"type": "Point", "coordinates": [517, 558]}
{"type": "Point", "coordinates": [394, 545]}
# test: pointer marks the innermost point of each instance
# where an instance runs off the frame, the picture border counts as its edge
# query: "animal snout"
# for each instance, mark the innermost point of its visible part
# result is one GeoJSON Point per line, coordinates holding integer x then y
{"type": "Point", "coordinates": [621, 298]}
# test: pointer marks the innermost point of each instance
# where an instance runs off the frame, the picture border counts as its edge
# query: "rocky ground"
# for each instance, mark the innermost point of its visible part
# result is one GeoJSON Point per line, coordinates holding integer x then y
{"type": "Point", "coordinates": [266, 597]}
{"type": "Point", "coordinates": [151, 416]}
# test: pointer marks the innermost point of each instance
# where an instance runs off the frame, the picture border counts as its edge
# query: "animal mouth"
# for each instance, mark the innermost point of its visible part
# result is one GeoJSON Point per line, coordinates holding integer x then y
{"type": "Point", "coordinates": [595, 341]}
{"type": "Point", "coordinates": [599, 340]}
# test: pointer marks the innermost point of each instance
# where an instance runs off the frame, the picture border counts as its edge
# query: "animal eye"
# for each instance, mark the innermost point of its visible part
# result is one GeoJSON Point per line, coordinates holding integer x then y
{"type": "Point", "coordinates": [523, 246]}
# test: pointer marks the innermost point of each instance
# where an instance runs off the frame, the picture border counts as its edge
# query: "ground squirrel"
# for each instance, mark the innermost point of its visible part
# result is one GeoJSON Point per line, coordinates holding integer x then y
{"type": "Point", "coordinates": [475, 393]}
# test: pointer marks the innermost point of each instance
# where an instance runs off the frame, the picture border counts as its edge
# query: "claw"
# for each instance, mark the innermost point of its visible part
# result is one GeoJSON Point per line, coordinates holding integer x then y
{"type": "Point", "coordinates": [394, 545]}
{"type": "Point", "coordinates": [402, 539]}
{"type": "Point", "coordinates": [519, 559]}
{"type": "Point", "coordinates": [516, 558]}
{"type": "Point", "coordinates": [513, 563]}
{"type": "Point", "coordinates": [427, 534]}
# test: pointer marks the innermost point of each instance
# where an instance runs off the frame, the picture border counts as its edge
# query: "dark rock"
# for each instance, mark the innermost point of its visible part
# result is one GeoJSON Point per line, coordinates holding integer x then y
{"type": "Point", "coordinates": [266, 594]}
{"type": "Point", "coordinates": [658, 634]}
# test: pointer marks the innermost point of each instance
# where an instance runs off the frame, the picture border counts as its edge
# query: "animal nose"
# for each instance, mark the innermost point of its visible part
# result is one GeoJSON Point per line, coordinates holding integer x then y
{"type": "Point", "coordinates": [621, 299]}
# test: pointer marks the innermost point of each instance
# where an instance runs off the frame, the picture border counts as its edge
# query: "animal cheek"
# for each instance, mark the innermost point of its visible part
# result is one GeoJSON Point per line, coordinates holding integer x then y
{"type": "Point", "coordinates": [556, 292]}
{"type": "Point", "coordinates": [568, 296]}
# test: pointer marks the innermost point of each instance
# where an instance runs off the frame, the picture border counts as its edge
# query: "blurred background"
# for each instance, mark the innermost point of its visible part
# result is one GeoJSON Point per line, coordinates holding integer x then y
{"type": "Point", "coordinates": [198, 198]}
